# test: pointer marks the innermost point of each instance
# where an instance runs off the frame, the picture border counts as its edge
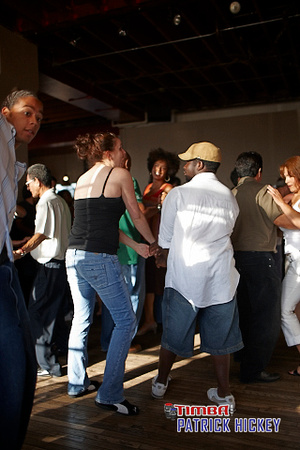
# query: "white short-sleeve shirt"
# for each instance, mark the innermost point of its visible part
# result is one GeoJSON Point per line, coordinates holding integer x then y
{"type": "Point", "coordinates": [53, 219]}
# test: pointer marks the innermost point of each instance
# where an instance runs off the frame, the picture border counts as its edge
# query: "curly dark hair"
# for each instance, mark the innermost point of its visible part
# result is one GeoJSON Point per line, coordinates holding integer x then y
{"type": "Point", "coordinates": [91, 147]}
{"type": "Point", "coordinates": [171, 159]}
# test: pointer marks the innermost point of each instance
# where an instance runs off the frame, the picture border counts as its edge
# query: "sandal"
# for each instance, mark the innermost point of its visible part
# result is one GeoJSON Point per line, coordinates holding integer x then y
{"type": "Point", "coordinates": [124, 407]}
{"type": "Point", "coordinates": [294, 372]}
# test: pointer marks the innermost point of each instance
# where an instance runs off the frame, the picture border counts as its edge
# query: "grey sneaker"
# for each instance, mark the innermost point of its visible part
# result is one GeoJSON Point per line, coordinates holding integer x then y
{"type": "Point", "coordinates": [212, 394]}
{"type": "Point", "coordinates": [159, 389]}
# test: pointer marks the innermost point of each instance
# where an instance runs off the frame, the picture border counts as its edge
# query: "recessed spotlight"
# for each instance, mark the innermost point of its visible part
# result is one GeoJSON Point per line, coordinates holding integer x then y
{"type": "Point", "coordinates": [177, 19]}
{"type": "Point", "coordinates": [235, 7]}
{"type": "Point", "coordinates": [74, 42]}
{"type": "Point", "coordinates": [122, 32]}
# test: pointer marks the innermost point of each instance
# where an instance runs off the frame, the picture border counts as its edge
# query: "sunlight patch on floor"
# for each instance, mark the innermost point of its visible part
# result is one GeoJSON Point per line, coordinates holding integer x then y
{"type": "Point", "coordinates": [135, 361]}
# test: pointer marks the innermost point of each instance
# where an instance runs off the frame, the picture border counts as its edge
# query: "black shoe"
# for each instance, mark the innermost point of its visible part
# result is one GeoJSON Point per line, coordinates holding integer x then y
{"type": "Point", "coordinates": [124, 407]}
{"type": "Point", "coordinates": [267, 377]}
{"type": "Point", "coordinates": [93, 387]}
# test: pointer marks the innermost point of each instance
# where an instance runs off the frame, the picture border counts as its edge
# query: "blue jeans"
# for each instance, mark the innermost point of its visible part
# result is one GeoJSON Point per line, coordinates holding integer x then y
{"type": "Point", "coordinates": [258, 296]}
{"type": "Point", "coordinates": [290, 298]}
{"type": "Point", "coordinates": [18, 365]}
{"type": "Point", "coordinates": [89, 272]}
{"type": "Point", "coordinates": [134, 276]}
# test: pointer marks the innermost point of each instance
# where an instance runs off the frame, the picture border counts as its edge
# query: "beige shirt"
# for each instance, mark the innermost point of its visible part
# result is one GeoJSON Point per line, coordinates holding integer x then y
{"type": "Point", "coordinates": [254, 228]}
{"type": "Point", "coordinates": [53, 219]}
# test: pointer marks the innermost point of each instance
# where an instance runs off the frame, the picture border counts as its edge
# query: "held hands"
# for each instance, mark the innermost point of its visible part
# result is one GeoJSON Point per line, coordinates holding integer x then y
{"type": "Point", "coordinates": [18, 254]}
{"type": "Point", "coordinates": [153, 248]}
{"type": "Point", "coordinates": [143, 250]}
{"type": "Point", "coordinates": [161, 257]}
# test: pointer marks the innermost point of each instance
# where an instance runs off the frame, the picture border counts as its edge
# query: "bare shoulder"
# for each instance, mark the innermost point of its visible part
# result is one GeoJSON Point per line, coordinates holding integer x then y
{"type": "Point", "coordinates": [167, 188]}
{"type": "Point", "coordinates": [120, 171]}
{"type": "Point", "coordinates": [82, 179]}
{"type": "Point", "coordinates": [121, 174]}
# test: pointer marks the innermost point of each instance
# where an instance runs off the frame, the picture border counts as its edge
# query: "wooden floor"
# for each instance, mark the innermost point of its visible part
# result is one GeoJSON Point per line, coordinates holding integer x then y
{"type": "Point", "coordinates": [59, 422]}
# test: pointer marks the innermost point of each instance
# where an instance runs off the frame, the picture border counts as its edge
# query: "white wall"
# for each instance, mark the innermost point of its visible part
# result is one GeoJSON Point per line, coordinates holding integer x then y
{"type": "Point", "coordinates": [18, 70]}
{"type": "Point", "coordinates": [18, 63]}
{"type": "Point", "coordinates": [60, 164]}
{"type": "Point", "coordinates": [271, 130]}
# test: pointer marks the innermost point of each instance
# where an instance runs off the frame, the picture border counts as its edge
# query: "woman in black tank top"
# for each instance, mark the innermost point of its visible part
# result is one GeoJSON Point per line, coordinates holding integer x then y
{"type": "Point", "coordinates": [102, 194]}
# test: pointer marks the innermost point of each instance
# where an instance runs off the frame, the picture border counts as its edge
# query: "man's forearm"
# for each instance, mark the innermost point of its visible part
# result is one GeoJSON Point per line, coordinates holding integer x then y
{"type": "Point", "coordinates": [30, 245]}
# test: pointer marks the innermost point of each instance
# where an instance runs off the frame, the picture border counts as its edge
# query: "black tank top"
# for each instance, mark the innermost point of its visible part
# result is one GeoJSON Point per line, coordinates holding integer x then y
{"type": "Point", "coordinates": [96, 223]}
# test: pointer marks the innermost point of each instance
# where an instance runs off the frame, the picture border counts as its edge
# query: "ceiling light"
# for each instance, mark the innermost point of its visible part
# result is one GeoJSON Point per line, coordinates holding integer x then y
{"type": "Point", "coordinates": [65, 178]}
{"type": "Point", "coordinates": [177, 19]}
{"type": "Point", "coordinates": [122, 32]}
{"type": "Point", "coordinates": [74, 42]}
{"type": "Point", "coordinates": [235, 7]}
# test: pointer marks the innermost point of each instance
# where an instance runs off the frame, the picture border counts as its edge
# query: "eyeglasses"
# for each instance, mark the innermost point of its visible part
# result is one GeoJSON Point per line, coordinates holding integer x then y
{"type": "Point", "coordinates": [29, 181]}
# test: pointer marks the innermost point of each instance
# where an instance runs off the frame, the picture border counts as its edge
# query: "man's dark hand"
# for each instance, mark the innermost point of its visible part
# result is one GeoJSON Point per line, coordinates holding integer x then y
{"type": "Point", "coordinates": [161, 257]}
{"type": "Point", "coordinates": [153, 248]}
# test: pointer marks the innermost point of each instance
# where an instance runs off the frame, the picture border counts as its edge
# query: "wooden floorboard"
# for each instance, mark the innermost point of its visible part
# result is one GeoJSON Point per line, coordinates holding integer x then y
{"type": "Point", "coordinates": [62, 423]}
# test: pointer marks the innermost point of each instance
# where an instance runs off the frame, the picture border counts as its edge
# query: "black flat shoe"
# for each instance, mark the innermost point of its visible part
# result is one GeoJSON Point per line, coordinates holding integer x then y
{"type": "Point", "coordinates": [93, 387]}
{"type": "Point", "coordinates": [267, 377]}
{"type": "Point", "coordinates": [124, 407]}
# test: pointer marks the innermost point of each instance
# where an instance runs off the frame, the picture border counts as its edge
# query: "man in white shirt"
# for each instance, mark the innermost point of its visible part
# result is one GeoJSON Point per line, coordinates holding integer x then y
{"type": "Point", "coordinates": [20, 119]}
{"type": "Point", "coordinates": [48, 247]}
{"type": "Point", "coordinates": [201, 280]}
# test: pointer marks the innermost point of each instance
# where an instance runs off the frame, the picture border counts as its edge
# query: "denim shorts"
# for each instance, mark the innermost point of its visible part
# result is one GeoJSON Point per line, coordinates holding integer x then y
{"type": "Point", "coordinates": [218, 326]}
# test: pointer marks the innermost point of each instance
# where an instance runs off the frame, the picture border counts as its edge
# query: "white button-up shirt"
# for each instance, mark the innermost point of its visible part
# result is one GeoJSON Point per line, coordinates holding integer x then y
{"type": "Point", "coordinates": [196, 224]}
{"type": "Point", "coordinates": [53, 219]}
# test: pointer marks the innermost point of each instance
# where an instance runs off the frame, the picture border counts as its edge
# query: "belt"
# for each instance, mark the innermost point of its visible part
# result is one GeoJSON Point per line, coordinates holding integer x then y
{"type": "Point", "coordinates": [3, 256]}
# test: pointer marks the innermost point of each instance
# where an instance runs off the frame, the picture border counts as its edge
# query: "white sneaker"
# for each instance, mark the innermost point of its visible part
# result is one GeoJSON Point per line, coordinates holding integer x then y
{"type": "Point", "coordinates": [159, 389]}
{"type": "Point", "coordinates": [212, 394]}
{"type": "Point", "coordinates": [43, 373]}
{"type": "Point", "coordinates": [55, 371]}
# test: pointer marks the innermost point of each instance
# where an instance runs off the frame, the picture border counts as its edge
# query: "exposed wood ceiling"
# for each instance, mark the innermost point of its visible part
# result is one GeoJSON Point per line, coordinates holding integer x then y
{"type": "Point", "coordinates": [126, 60]}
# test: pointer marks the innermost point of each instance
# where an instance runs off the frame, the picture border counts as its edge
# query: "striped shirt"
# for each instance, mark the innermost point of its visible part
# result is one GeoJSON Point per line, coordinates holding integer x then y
{"type": "Point", "coordinates": [10, 173]}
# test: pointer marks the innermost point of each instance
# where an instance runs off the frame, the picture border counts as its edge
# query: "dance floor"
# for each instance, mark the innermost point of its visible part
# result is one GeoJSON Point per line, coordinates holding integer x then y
{"type": "Point", "coordinates": [267, 414]}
